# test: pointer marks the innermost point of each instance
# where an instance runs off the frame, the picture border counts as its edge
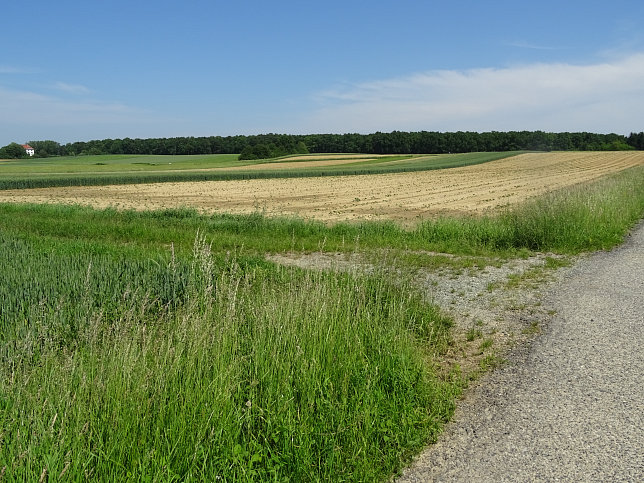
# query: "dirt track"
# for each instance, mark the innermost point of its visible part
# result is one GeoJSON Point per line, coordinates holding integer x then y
{"type": "Point", "coordinates": [399, 196]}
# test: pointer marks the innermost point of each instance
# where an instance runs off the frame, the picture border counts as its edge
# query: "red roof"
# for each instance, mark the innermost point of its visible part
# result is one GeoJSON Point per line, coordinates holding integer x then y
{"type": "Point", "coordinates": [26, 146]}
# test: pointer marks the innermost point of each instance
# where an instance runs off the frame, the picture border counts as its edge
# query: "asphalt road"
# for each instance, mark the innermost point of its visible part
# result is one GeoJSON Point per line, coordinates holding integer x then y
{"type": "Point", "coordinates": [570, 406]}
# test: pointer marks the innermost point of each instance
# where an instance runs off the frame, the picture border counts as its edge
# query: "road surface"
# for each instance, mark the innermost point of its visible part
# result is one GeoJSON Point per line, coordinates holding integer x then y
{"type": "Point", "coordinates": [570, 406]}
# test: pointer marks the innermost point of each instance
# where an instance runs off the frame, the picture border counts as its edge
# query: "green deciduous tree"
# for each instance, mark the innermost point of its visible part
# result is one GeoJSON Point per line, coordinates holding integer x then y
{"type": "Point", "coordinates": [45, 149]}
{"type": "Point", "coordinates": [13, 151]}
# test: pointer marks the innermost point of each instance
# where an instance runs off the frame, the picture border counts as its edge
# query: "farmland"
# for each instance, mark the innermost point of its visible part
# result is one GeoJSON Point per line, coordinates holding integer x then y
{"type": "Point", "coordinates": [164, 344]}
{"type": "Point", "coordinates": [405, 196]}
{"type": "Point", "coordinates": [129, 169]}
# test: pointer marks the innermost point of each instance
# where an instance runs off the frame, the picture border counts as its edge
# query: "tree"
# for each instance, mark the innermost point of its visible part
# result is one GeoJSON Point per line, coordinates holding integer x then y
{"type": "Point", "coordinates": [13, 151]}
{"type": "Point", "coordinates": [636, 140]}
{"type": "Point", "coordinates": [258, 151]}
{"type": "Point", "coordinates": [46, 148]}
{"type": "Point", "coordinates": [617, 145]}
{"type": "Point", "coordinates": [300, 148]}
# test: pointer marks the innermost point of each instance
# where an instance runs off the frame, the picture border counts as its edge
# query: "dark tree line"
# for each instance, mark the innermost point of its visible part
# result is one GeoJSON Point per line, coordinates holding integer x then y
{"type": "Point", "coordinates": [636, 140]}
{"type": "Point", "coordinates": [396, 142]}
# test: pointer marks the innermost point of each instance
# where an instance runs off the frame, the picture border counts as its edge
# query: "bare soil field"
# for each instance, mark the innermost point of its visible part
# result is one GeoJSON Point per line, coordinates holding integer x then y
{"type": "Point", "coordinates": [302, 161]}
{"type": "Point", "coordinates": [397, 196]}
{"type": "Point", "coordinates": [361, 157]}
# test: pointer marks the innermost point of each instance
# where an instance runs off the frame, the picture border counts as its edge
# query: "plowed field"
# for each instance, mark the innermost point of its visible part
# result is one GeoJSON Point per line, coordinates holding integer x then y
{"type": "Point", "coordinates": [302, 161]}
{"type": "Point", "coordinates": [399, 196]}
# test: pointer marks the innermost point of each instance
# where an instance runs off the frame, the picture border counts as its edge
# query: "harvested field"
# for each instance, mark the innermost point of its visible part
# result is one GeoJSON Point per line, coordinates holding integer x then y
{"type": "Point", "coordinates": [303, 161]}
{"type": "Point", "coordinates": [309, 157]}
{"type": "Point", "coordinates": [399, 196]}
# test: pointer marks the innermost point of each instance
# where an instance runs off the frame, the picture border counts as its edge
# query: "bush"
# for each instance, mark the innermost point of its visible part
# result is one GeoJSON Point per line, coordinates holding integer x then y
{"type": "Point", "coordinates": [265, 151]}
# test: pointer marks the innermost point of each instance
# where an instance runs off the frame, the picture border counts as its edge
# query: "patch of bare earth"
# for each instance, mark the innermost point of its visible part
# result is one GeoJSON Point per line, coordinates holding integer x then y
{"type": "Point", "coordinates": [299, 163]}
{"type": "Point", "coordinates": [398, 196]}
{"type": "Point", "coordinates": [330, 157]}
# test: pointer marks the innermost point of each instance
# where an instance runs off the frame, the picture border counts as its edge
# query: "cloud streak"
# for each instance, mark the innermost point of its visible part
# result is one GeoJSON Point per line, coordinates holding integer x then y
{"type": "Point", "coordinates": [71, 88]}
{"type": "Point", "coordinates": [28, 115]}
{"type": "Point", "coordinates": [528, 45]}
{"type": "Point", "coordinates": [31, 107]}
{"type": "Point", "coordinates": [602, 97]}
{"type": "Point", "coordinates": [8, 69]}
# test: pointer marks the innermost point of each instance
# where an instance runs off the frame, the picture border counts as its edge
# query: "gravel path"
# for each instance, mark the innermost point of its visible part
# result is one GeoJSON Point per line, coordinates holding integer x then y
{"type": "Point", "coordinates": [570, 406]}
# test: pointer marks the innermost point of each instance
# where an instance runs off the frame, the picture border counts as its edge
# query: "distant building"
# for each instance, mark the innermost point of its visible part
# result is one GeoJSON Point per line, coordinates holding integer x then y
{"type": "Point", "coordinates": [30, 151]}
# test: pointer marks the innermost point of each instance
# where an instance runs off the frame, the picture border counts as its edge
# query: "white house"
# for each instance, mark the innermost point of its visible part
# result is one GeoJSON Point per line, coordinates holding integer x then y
{"type": "Point", "coordinates": [30, 151]}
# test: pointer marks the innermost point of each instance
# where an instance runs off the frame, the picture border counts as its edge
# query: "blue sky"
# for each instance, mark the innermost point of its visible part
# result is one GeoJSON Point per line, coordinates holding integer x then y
{"type": "Point", "coordinates": [72, 70]}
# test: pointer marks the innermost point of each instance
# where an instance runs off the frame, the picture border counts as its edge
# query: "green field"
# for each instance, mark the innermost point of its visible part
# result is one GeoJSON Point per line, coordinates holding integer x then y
{"type": "Point", "coordinates": [163, 346]}
{"type": "Point", "coordinates": [116, 163]}
{"type": "Point", "coordinates": [128, 169]}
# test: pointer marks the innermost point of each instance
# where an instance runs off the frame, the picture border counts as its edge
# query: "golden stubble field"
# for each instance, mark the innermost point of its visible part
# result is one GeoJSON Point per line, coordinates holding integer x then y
{"type": "Point", "coordinates": [399, 196]}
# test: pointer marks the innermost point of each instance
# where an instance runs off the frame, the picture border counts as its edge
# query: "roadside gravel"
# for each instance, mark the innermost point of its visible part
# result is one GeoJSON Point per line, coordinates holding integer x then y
{"type": "Point", "coordinates": [570, 405]}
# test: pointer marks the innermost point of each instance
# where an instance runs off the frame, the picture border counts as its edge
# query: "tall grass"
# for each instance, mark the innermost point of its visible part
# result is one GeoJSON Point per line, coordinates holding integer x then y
{"type": "Point", "coordinates": [587, 217]}
{"type": "Point", "coordinates": [590, 217]}
{"type": "Point", "coordinates": [212, 369]}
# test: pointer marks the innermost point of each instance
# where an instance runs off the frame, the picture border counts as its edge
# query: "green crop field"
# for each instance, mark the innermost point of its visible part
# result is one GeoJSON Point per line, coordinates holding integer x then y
{"type": "Point", "coordinates": [109, 163]}
{"type": "Point", "coordinates": [128, 169]}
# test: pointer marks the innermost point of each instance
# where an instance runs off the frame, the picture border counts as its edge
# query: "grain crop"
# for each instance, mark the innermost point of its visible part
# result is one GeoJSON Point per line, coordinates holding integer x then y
{"type": "Point", "coordinates": [396, 196]}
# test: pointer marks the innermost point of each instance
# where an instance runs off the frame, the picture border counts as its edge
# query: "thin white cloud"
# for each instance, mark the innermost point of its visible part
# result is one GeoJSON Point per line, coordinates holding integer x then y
{"type": "Point", "coordinates": [26, 115]}
{"type": "Point", "coordinates": [602, 97]}
{"type": "Point", "coordinates": [31, 107]}
{"type": "Point", "coordinates": [528, 45]}
{"type": "Point", "coordinates": [9, 69]}
{"type": "Point", "coordinates": [71, 88]}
